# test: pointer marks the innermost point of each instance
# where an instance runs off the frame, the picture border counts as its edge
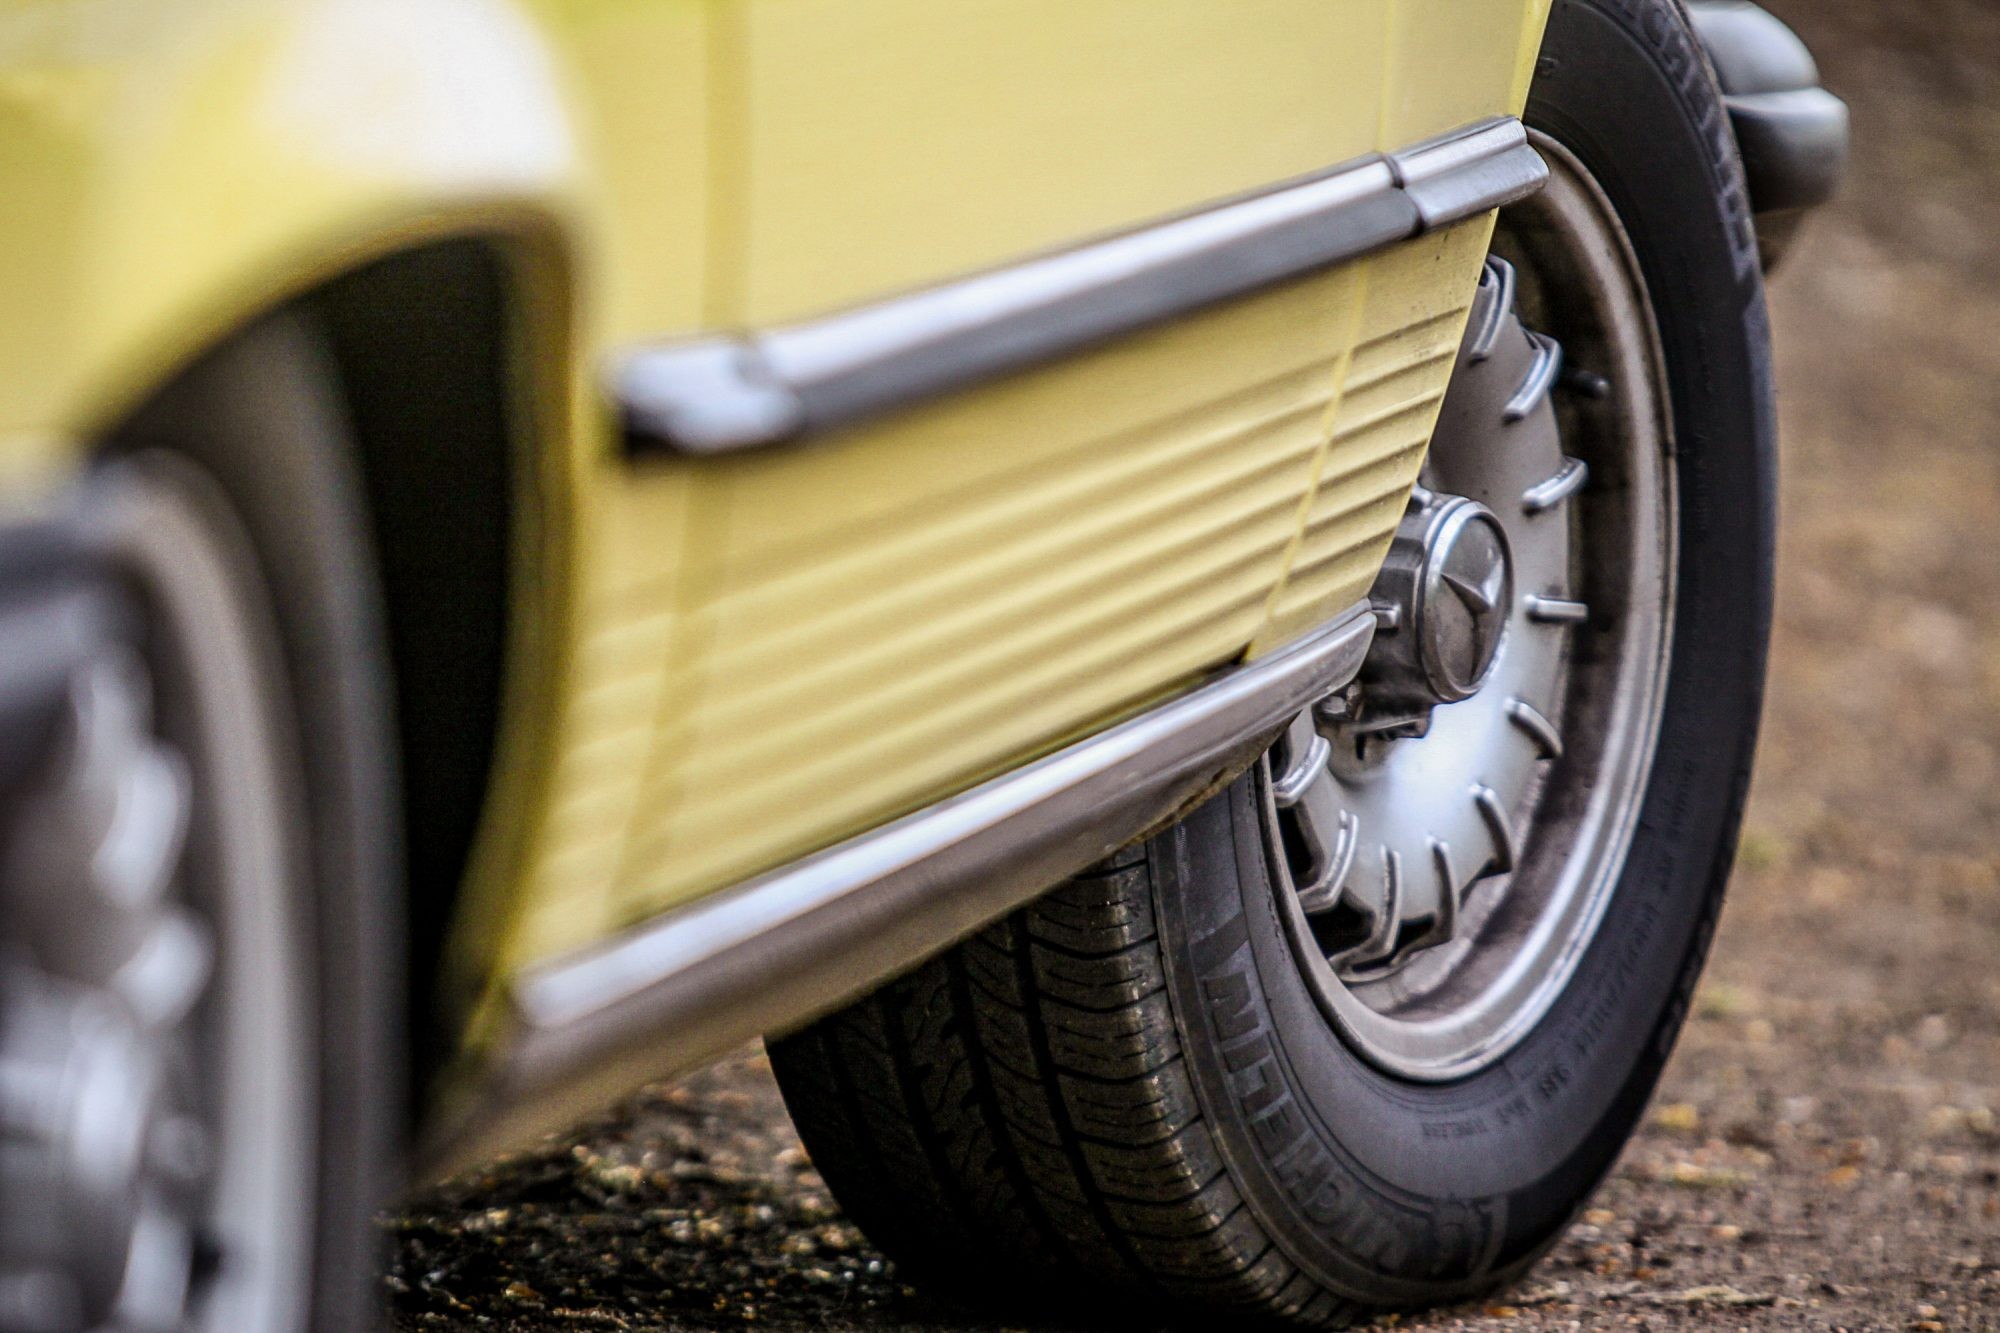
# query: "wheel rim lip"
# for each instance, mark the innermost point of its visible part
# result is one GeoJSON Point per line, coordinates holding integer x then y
{"type": "Point", "coordinates": [1528, 963]}
{"type": "Point", "coordinates": [165, 528]}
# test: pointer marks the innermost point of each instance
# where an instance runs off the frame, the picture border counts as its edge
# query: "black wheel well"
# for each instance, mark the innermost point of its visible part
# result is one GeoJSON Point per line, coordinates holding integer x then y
{"type": "Point", "coordinates": [422, 344]}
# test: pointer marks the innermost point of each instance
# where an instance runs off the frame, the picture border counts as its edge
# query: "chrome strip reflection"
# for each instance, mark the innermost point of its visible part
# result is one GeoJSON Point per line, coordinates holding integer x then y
{"type": "Point", "coordinates": [685, 987]}
{"type": "Point", "coordinates": [718, 395]}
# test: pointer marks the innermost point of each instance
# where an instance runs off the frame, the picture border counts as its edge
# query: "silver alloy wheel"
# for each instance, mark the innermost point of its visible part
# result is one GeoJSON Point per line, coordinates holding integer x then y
{"type": "Point", "coordinates": [1446, 840]}
{"type": "Point", "coordinates": [155, 1044]}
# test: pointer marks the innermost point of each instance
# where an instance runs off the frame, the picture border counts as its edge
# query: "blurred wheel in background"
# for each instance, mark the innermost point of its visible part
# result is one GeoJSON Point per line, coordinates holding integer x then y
{"type": "Point", "coordinates": [196, 1068]}
{"type": "Point", "coordinates": [1367, 1029]}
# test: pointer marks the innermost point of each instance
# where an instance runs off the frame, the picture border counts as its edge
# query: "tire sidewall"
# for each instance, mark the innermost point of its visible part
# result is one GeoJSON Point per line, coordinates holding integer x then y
{"type": "Point", "coordinates": [259, 419]}
{"type": "Point", "coordinates": [1396, 1192]}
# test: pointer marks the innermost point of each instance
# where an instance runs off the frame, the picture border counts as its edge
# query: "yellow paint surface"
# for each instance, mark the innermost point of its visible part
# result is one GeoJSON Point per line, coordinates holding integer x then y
{"type": "Point", "coordinates": [734, 662]}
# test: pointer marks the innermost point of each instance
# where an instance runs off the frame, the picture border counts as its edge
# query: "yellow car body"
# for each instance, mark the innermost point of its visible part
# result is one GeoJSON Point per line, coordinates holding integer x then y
{"type": "Point", "coordinates": [719, 665]}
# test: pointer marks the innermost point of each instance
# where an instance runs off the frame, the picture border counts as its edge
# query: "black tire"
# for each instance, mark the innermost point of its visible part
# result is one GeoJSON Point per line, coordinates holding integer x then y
{"type": "Point", "coordinates": [1127, 1089]}
{"type": "Point", "coordinates": [259, 417]}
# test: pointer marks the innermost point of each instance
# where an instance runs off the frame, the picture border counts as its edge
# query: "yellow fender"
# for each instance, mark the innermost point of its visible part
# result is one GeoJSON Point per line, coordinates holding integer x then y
{"type": "Point", "coordinates": [175, 168]}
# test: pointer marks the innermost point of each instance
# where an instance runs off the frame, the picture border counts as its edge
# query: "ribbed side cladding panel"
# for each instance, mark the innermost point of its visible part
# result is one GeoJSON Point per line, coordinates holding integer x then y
{"type": "Point", "coordinates": [892, 615]}
{"type": "Point", "coordinates": [783, 649]}
{"type": "Point", "coordinates": [1394, 384]}
{"type": "Point", "coordinates": [626, 709]}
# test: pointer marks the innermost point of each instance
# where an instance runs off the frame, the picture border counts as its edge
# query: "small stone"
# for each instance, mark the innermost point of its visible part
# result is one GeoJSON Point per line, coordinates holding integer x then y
{"type": "Point", "coordinates": [1719, 999]}
{"type": "Point", "coordinates": [1720, 1295]}
{"type": "Point", "coordinates": [1758, 849]}
{"type": "Point", "coordinates": [1678, 1118]}
{"type": "Point", "coordinates": [1693, 1175]}
{"type": "Point", "coordinates": [1760, 1031]}
{"type": "Point", "coordinates": [1545, 1293]}
{"type": "Point", "coordinates": [1941, 1121]}
{"type": "Point", "coordinates": [1599, 1217]}
{"type": "Point", "coordinates": [1727, 1231]}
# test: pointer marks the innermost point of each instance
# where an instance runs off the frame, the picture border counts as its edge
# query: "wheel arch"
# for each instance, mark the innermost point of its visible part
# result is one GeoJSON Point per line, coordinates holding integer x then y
{"type": "Point", "coordinates": [433, 353]}
{"type": "Point", "coordinates": [441, 367]}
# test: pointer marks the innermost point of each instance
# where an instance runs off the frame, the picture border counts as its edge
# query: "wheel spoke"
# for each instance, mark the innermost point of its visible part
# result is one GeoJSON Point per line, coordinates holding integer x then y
{"type": "Point", "coordinates": [1388, 921]}
{"type": "Point", "coordinates": [1309, 752]}
{"type": "Point", "coordinates": [1325, 833]}
{"type": "Point", "coordinates": [1496, 293]}
{"type": "Point", "coordinates": [1557, 610]}
{"type": "Point", "coordinates": [1448, 889]}
{"type": "Point", "coordinates": [1541, 377]}
{"type": "Point", "coordinates": [1535, 724]}
{"type": "Point", "coordinates": [144, 785]}
{"type": "Point", "coordinates": [1333, 857]}
{"type": "Point", "coordinates": [1493, 812]}
{"type": "Point", "coordinates": [168, 973]}
{"type": "Point", "coordinates": [1546, 495]}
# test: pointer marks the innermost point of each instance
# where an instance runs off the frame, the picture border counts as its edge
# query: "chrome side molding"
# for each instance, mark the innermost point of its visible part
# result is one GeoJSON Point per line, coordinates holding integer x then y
{"type": "Point", "coordinates": [685, 987]}
{"type": "Point", "coordinates": [723, 394]}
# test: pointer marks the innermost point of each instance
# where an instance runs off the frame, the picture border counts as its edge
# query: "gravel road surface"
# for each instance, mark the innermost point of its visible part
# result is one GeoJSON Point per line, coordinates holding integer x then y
{"type": "Point", "coordinates": [1825, 1151]}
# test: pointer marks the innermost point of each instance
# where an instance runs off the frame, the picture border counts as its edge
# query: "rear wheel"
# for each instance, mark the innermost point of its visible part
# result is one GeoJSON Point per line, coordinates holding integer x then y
{"type": "Point", "coordinates": [1367, 1029]}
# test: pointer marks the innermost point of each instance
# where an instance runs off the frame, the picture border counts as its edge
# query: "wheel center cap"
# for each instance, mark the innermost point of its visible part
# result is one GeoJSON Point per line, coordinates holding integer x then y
{"type": "Point", "coordinates": [1465, 592]}
{"type": "Point", "coordinates": [1441, 603]}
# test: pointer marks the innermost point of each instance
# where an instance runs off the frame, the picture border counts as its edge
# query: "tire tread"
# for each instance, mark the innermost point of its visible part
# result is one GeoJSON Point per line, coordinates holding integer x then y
{"type": "Point", "coordinates": [1017, 1114]}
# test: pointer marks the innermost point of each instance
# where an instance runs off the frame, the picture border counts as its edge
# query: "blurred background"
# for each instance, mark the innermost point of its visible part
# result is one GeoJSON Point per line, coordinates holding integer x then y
{"type": "Point", "coordinates": [1825, 1150]}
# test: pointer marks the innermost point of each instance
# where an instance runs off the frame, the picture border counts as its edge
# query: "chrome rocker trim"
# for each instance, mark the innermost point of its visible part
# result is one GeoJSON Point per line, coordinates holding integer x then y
{"type": "Point", "coordinates": [685, 987]}
{"type": "Point", "coordinates": [722, 394]}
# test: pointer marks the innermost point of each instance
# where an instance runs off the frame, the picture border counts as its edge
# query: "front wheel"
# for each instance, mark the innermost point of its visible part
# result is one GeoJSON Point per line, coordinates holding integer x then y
{"type": "Point", "coordinates": [198, 1076]}
{"type": "Point", "coordinates": [1367, 1029]}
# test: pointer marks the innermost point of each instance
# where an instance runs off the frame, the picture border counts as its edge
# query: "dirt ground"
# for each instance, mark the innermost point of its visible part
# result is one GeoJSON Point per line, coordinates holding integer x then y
{"type": "Point", "coordinates": [1825, 1151]}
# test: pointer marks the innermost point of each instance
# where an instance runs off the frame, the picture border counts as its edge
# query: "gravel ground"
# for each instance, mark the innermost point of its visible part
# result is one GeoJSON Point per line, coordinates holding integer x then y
{"type": "Point", "coordinates": [1825, 1151]}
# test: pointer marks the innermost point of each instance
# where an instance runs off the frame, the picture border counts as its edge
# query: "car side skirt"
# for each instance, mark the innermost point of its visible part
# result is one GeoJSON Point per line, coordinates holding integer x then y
{"type": "Point", "coordinates": [723, 394]}
{"type": "Point", "coordinates": [673, 992]}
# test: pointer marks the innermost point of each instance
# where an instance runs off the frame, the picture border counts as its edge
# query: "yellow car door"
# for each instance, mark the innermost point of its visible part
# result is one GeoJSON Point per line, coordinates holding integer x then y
{"type": "Point", "coordinates": [867, 621]}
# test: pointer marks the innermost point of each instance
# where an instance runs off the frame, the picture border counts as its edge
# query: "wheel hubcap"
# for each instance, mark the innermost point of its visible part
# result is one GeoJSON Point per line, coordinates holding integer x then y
{"type": "Point", "coordinates": [1446, 828]}
{"type": "Point", "coordinates": [99, 1125]}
